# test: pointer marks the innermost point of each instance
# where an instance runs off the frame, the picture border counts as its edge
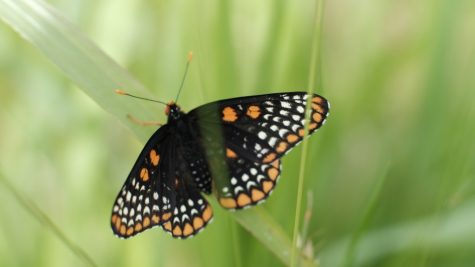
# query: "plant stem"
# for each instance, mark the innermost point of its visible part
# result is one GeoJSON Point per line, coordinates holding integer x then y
{"type": "Point", "coordinates": [311, 83]}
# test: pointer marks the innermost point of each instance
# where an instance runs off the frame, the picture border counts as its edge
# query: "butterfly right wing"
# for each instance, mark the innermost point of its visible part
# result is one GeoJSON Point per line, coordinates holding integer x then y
{"type": "Point", "coordinates": [263, 127]}
{"type": "Point", "coordinates": [146, 198]}
{"type": "Point", "coordinates": [250, 135]}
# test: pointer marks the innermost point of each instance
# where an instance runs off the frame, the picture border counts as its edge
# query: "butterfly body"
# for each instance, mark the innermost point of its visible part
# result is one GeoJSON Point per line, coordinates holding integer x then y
{"type": "Point", "coordinates": [232, 147]}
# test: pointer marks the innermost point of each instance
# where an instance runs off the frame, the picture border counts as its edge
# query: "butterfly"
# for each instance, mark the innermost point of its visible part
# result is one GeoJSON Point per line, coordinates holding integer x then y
{"type": "Point", "coordinates": [231, 147]}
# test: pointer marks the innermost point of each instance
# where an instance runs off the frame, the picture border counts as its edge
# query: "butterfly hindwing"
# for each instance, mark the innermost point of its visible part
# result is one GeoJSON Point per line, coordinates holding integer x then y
{"type": "Point", "coordinates": [250, 184]}
{"type": "Point", "coordinates": [190, 215]}
{"type": "Point", "coordinates": [145, 199]}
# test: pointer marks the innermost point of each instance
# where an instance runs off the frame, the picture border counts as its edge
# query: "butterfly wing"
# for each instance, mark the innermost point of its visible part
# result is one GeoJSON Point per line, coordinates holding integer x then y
{"type": "Point", "coordinates": [252, 134]}
{"type": "Point", "coordinates": [146, 197]}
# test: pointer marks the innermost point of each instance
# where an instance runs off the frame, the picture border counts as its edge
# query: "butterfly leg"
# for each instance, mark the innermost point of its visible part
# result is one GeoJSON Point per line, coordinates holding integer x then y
{"type": "Point", "coordinates": [143, 123]}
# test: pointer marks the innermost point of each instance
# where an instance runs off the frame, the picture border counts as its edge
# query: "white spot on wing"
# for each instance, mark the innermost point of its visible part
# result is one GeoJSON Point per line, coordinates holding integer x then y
{"type": "Point", "coordinates": [272, 141]}
{"type": "Point", "coordinates": [283, 132]}
{"type": "Point", "coordinates": [262, 135]}
{"type": "Point", "coordinates": [284, 112]}
{"type": "Point", "coordinates": [285, 104]}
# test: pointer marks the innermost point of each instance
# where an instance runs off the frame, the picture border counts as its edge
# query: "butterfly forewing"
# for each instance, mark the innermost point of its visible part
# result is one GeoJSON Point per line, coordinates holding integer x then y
{"type": "Point", "coordinates": [265, 126]}
{"type": "Point", "coordinates": [145, 199]}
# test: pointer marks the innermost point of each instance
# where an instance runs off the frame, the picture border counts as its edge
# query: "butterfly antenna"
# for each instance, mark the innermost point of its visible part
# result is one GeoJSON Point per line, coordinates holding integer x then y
{"type": "Point", "coordinates": [121, 92]}
{"type": "Point", "coordinates": [190, 57]}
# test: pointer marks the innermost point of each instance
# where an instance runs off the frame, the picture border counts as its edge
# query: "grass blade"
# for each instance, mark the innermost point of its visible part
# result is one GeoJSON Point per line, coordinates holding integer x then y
{"type": "Point", "coordinates": [372, 204]}
{"type": "Point", "coordinates": [85, 64]}
{"type": "Point", "coordinates": [42, 218]}
{"type": "Point", "coordinates": [311, 83]}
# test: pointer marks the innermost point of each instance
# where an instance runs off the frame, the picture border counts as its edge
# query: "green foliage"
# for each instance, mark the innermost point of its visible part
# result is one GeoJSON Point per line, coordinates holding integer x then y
{"type": "Point", "coordinates": [399, 76]}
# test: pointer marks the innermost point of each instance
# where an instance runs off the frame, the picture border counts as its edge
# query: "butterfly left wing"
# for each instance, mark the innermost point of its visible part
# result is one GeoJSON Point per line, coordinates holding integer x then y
{"type": "Point", "coordinates": [145, 199]}
{"type": "Point", "coordinates": [253, 133]}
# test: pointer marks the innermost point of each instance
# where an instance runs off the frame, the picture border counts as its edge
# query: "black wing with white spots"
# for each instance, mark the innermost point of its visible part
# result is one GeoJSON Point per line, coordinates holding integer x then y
{"type": "Point", "coordinates": [145, 198]}
{"type": "Point", "coordinates": [256, 132]}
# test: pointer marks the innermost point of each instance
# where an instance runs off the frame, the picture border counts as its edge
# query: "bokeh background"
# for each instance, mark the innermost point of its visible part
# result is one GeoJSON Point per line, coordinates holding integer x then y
{"type": "Point", "coordinates": [392, 170]}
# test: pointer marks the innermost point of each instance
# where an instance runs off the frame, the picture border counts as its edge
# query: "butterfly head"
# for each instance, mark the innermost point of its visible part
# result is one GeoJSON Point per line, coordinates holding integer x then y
{"type": "Point", "coordinates": [173, 111]}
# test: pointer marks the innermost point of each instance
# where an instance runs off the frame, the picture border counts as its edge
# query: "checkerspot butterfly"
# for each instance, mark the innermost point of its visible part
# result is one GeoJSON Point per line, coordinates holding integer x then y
{"type": "Point", "coordinates": [232, 147]}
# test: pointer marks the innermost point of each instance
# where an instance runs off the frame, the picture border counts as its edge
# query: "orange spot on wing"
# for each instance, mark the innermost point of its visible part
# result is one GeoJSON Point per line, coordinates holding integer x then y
{"type": "Point", "coordinates": [154, 157]}
{"type": "Point", "coordinates": [301, 132]}
{"type": "Point", "coordinates": [177, 231]}
{"type": "Point", "coordinates": [122, 229]}
{"type": "Point", "coordinates": [317, 99]}
{"type": "Point", "coordinates": [276, 163]}
{"type": "Point", "coordinates": [317, 108]}
{"type": "Point", "coordinates": [253, 112]}
{"type": "Point", "coordinates": [114, 218]}
{"type": "Point", "coordinates": [146, 222]}
{"type": "Point", "coordinates": [282, 147]}
{"type": "Point", "coordinates": [230, 154]}
{"type": "Point", "coordinates": [269, 158]}
{"type": "Point", "coordinates": [155, 219]}
{"type": "Point", "coordinates": [138, 227]}
{"type": "Point", "coordinates": [317, 117]}
{"type": "Point", "coordinates": [207, 213]}
{"type": "Point", "coordinates": [243, 200]}
{"type": "Point", "coordinates": [144, 174]}
{"type": "Point", "coordinates": [130, 230]}
{"type": "Point", "coordinates": [117, 224]}
{"type": "Point", "coordinates": [166, 216]}
{"type": "Point", "coordinates": [273, 173]}
{"type": "Point", "coordinates": [267, 186]}
{"type": "Point", "coordinates": [197, 223]}
{"type": "Point", "coordinates": [257, 195]}
{"type": "Point", "coordinates": [227, 202]}
{"type": "Point", "coordinates": [167, 226]}
{"type": "Point", "coordinates": [187, 230]}
{"type": "Point", "coordinates": [292, 138]}
{"type": "Point", "coordinates": [312, 126]}
{"type": "Point", "coordinates": [229, 114]}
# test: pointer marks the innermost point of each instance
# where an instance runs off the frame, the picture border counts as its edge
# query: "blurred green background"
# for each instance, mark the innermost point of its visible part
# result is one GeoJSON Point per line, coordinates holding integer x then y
{"type": "Point", "coordinates": [392, 170]}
